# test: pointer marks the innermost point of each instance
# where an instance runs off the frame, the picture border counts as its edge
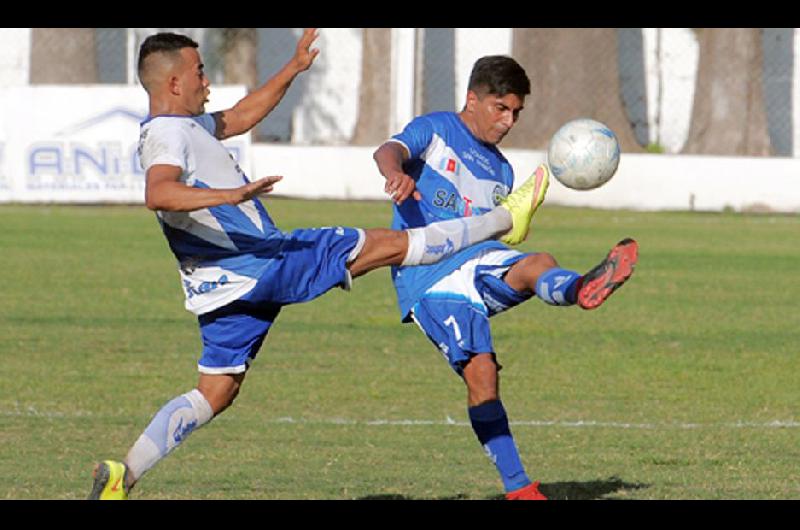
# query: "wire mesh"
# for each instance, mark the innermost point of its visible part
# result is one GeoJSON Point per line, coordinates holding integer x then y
{"type": "Point", "coordinates": [656, 82]}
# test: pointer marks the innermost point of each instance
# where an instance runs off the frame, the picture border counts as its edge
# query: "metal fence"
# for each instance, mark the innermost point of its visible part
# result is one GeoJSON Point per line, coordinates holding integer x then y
{"type": "Point", "coordinates": [660, 88]}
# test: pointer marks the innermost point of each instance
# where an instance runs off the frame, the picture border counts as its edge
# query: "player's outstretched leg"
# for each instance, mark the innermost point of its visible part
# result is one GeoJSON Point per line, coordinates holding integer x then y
{"type": "Point", "coordinates": [523, 202]}
{"type": "Point", "coordinates": [110, 481]}
{"type": "Point", "coordinates": [509, 221]}
{"type": "Point", "coordinates": [609, 275]}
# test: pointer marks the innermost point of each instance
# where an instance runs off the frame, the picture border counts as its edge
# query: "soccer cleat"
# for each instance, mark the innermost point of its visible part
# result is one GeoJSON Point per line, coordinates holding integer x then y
{"type": "Point", "coordinates": [110, 481]}
{"type": "Point", "coordinates": [522, 204]}
{"type": "Point", "coordinates": [528, 493]}
{"type": "Point", "coordinates": [598, 284]}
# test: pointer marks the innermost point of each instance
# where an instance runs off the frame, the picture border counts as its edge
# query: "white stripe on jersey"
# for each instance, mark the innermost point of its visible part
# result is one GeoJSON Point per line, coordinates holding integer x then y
{"type": "Point", "coordinates": [479, 191]}
{"type": "Point", "coordinates": [249, 209]}
{"type": "Point", "coordinates": [199, 223]}
{"type": "Point", "coordinates": [462, 280]}
{"type": "Point", "coordinates": [208, 288]}
{"type": "Point", "coordinates": [189, 143]}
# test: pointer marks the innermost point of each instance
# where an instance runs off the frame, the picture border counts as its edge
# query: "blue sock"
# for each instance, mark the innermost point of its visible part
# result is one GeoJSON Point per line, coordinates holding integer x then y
{"type": "Point", "coordinates": [490, 423]}
{"type": "Point", "coordinates": [558, 286]}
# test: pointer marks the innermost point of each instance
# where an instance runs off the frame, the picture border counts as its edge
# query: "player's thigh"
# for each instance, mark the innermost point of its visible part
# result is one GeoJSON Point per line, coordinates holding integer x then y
{"type": "Point", "coordinates": [232, 336]}
{"type": "Point", "coordinates": [454, 313]}
{"type": "Point", "coordinates": [522, 275]}
{"type": "Point", "coordinates": [492, 285]}
{"type": "Point", "coordinates": [457, 328]}
{"type": "Point", "coordinates": [310, 263]}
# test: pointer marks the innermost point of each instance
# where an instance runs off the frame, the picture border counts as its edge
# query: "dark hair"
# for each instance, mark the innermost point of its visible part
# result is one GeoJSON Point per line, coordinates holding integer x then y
{"type": "Point", "coordinates": [499, 74]}
{"type": "Point", "coordinates": [163, 42]}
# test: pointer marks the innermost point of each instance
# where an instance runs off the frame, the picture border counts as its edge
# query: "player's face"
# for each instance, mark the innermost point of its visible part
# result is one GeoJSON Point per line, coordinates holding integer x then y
{"type": "Point", "coordinates": [493, 116]}
{"type": "Point", "coordinates": [193, 81]}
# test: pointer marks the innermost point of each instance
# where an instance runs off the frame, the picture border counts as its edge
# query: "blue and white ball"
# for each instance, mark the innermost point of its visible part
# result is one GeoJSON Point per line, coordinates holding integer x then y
{"type": "Point", "coordinates": [583, 154]}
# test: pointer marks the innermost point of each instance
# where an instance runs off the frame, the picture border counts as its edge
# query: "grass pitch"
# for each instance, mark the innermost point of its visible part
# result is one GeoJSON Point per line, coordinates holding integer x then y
{"type": "Point", "coordinates": [684, 386]}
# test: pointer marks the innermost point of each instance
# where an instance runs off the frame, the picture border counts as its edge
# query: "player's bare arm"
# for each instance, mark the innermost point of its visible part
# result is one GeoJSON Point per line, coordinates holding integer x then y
{"type": "Point", "coordinates": [164, 191]}
{"type": "Point", "coordinates": [254, 107]}
{"type": "Point", "coordinates": [390, 157]}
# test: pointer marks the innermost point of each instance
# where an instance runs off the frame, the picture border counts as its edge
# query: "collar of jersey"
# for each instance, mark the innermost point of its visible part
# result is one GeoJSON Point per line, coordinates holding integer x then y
{"type": "Point", "coordinates": [151, 118]}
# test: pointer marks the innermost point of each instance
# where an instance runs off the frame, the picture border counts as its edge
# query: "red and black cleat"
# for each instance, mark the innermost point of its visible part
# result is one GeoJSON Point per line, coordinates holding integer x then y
{"type": "Point", "coordinates": [598, 284]}
{"type": "Point", "coordinates": [528, 493]}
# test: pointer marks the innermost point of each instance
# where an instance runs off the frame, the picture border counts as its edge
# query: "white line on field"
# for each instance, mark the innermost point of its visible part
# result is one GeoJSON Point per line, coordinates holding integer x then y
{"type": "Point", "coordinates": [777, 424]}
{"type": "Point", "coordinates": [31, 411]}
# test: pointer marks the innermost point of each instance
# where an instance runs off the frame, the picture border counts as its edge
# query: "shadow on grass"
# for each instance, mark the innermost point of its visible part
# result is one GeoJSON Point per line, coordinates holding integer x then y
{"type": "Point", "coordinates": [585, 491]}
{"type": "Point", "coordinates": [592, 490]}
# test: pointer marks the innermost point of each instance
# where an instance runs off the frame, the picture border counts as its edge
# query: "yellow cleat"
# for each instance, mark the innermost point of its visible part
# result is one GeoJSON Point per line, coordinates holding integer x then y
{"type": "Point", "coordinates": [522, 204]}
{"type": "Point", "coordinates": [110, 479]}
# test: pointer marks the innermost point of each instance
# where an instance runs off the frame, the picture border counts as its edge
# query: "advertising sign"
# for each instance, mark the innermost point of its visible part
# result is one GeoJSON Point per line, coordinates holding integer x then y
{"type": "Point", "coordinates": [78, 143]}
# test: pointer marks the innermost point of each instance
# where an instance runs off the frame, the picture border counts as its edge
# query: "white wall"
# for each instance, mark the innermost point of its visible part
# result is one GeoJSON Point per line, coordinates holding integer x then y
{"type": "Point", "coordinates": [330, 111]}
{"type": "Point", "coordinates": [15, 52]}
{"type": "Point", "coordinates": [314, 172]}
{"type": "Point", "coordinates": [642, 182]}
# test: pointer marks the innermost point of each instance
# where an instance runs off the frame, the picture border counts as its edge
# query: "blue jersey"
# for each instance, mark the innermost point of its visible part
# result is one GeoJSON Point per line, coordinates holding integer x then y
{"type": "Point", "coordinates": [457, 176]}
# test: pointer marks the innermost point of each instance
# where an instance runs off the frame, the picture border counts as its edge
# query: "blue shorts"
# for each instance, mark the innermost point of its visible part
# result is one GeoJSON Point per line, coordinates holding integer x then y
{"type": "Point", "coordinates": [454, 313]}
{"type": "Point", "coordinates": [314, 262]}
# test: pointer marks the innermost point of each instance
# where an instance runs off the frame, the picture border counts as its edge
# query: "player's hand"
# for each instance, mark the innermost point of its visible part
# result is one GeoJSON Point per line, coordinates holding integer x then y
{"type": "Point", "coordinates": [304, 55]}
{"type": "Point", "coordinates": [400, 187]}
{"type": "Point", "coordinates": [255, 188]}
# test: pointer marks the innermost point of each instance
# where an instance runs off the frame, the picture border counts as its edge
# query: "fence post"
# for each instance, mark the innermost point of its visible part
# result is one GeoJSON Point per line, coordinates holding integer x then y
{"type": "Point", "coordinates": [403, 77]}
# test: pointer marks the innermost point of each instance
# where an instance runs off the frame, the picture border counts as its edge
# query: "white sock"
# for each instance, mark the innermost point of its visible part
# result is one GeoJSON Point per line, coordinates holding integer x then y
{"type": "Point", "coordinates": [168, 428]}
{"type": "Point", "coordinates": [429, 244]}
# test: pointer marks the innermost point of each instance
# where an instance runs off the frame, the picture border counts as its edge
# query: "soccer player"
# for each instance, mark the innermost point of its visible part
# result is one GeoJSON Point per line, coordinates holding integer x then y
{"type": "Point", "coordinates": [447, 165]}
{"type": "Point", "coordinates": [236, 267]}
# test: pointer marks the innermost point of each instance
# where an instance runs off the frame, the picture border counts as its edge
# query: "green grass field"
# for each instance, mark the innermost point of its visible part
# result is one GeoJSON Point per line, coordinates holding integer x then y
{"type": "Point", "coordinates": [685, 385]}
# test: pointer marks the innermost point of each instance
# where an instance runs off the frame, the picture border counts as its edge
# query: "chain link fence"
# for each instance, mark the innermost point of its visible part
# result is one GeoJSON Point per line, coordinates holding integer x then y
{"type": "Point", "coordinates": [671, 90]}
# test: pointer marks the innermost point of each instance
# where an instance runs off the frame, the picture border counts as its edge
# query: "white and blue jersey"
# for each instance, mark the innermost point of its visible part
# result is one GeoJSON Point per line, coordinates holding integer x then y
{"type": "Point", "coordinates": [218, 248]}
{"type": "Point", "coordinates": [457, 176]}
{"type": "Point", "coordinates": [225, 251]}
{"type": "Point", "coordinates": [237, 268]}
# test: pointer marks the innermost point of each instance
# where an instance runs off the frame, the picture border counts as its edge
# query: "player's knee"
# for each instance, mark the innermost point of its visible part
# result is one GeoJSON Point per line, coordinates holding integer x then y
{"type": "Point", "coordinates": [543, 261]}
{"type": "Point", "coordinates": [220, 396]}
{"type": "Point", "coordinates": [480, 376]}
{"type": "Point", "coordinates": [479, 396]}
{"type": "Point", "coordinates": [538, 264]}
{"type": "Point", "coordinates": [382, 247]}
{"type": "Point", "coordinates": [524, 274]}
{"type": "Point", "coordinates": [232, 394]}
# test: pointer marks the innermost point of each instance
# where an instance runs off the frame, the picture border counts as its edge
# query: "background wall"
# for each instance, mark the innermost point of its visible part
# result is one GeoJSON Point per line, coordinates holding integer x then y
{"type": "Point", "coordinates": [642, 182]}
{"type": "Point", "coordinates": [707, 118]}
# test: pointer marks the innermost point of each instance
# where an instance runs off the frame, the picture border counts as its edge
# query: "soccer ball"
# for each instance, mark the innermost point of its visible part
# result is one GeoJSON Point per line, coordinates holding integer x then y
{"type": "Point", "coordinates": [583, 154]}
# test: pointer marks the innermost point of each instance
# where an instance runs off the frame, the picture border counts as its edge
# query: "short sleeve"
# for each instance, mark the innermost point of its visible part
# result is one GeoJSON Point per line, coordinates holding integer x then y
{"type": "Point", "coordinates": [416, 136]}
{"type": "Point", "coordinates": [163, 145]}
